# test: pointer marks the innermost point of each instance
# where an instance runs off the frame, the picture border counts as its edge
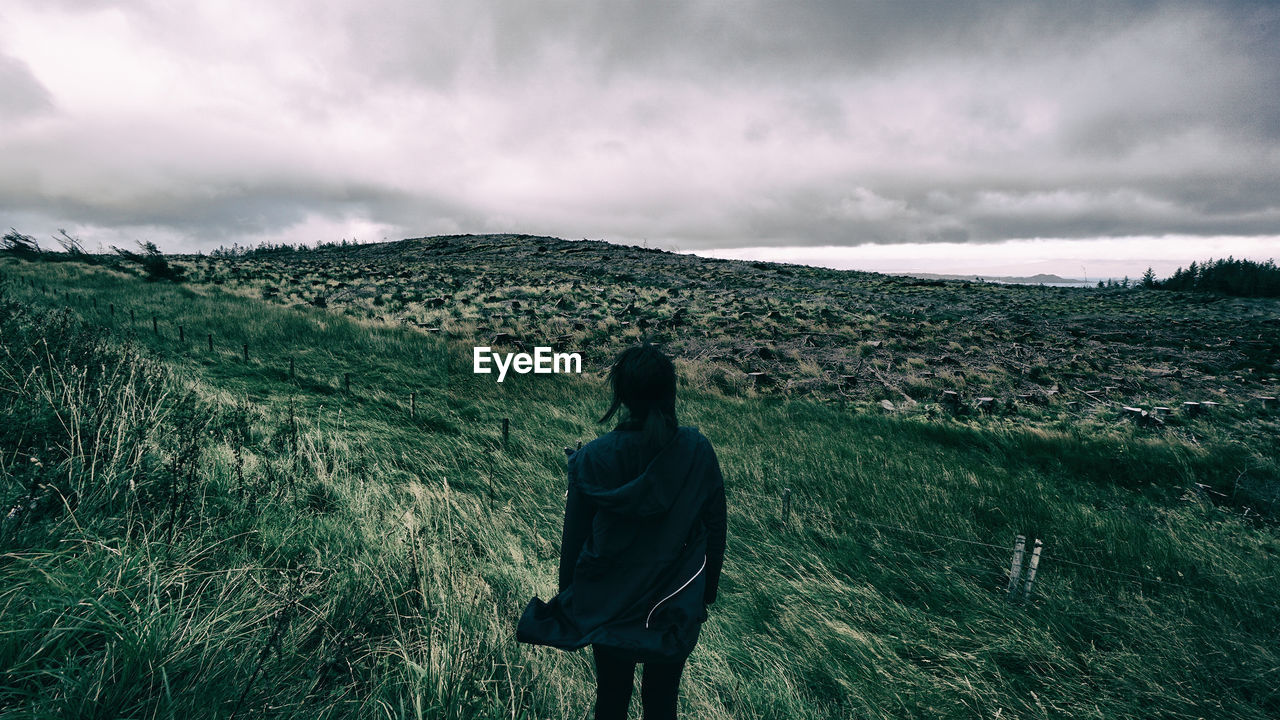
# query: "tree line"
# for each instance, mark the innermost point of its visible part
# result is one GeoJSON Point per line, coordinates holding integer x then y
{"type": "Point", "coordinates": [1244, 278]}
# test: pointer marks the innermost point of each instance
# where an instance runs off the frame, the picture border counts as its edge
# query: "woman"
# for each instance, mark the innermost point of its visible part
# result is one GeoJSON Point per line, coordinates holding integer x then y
{"type": "Point", "coordinates": [643, 543]}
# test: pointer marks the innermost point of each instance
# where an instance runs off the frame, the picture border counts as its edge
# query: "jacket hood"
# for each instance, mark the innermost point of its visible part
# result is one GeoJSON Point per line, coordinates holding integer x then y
{"type": "Point", "coordinates": [655, 489]}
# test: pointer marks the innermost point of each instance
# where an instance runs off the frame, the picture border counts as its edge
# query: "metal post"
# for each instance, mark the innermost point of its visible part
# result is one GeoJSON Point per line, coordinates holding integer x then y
{"type": "Point", "coordinates": [1015, 569]}
{"type": "Point", "coordinates": [1031, 570]}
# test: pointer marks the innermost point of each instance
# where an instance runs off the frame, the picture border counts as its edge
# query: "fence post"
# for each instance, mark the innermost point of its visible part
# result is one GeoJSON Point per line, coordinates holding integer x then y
{"type": "Point", "coordinates": [346, 382]}
{"type": "Point", "coordinates": [291, 367]}
{"type": "Point", "coordinates": [413, 404]}
{"type": "Point", "coordinates": [246, 353]}
{"type": "Point", "coordinates": [210, 342]}
{"type": "Point", "coordinates": [131, 317]}
{"type": "Point", "coordinates": [1031, 570]}
{"type": "Point", "coordinates": [786, 504]}
{"type": "Point", "coordinates": [1015, 569]}
{"type": "Point", "coordinates": [506, 432]}
{"type": "Point", "coordinates": [155, 325]}
{"type": "Point", "coordinates": [489, 452]}
{"type": "Point", "coordinates": [182, 334]}
{"type": "Point", "coordinates": [112, 306]}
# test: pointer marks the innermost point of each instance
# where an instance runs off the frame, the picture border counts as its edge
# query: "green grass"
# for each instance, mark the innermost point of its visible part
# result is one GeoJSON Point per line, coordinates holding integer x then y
{"type": "Point", "coordinates": [207, 536]}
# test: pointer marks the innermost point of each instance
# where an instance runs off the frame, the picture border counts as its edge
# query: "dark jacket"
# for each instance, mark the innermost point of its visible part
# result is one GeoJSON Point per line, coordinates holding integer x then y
{"type": "Point", "coordinates": [642, 548]}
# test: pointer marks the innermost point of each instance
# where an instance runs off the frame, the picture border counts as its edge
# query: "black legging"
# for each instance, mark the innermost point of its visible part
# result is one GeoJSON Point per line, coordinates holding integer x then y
{"type": "Point", "coordinates": [659, 687]}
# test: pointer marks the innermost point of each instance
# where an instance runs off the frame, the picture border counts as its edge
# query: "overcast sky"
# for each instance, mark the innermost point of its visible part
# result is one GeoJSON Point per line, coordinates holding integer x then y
{"type": "Point", "coordinates": [956, 132]}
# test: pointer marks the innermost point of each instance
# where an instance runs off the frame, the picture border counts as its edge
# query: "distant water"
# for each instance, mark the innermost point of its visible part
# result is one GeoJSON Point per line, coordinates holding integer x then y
{"type": "Point", "coordinates": [1065, 283]}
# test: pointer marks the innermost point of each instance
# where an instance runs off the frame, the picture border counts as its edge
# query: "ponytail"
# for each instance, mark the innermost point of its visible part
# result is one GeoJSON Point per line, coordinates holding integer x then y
{"type": "Point", "coordinates": [659, 427]}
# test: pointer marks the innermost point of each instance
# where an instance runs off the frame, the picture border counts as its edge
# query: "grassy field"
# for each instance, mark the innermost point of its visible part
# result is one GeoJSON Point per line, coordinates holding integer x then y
{"type": "Point", "coordinates": [196, 535]}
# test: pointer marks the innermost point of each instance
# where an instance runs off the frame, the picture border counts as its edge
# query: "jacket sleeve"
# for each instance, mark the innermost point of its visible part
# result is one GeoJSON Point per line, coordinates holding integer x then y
{"type": "Point", "coordinates": [714, 516]}
{"type": "Point", "coordinates": [578, 514]}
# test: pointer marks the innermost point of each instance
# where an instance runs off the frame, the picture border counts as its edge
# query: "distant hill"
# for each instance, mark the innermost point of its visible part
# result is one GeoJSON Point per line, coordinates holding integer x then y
{"type": "Point", "coordinates": [1040, 279]}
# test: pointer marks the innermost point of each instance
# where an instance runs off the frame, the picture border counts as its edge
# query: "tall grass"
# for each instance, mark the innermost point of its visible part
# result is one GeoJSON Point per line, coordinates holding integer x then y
{"type": "Point", "coordinates": [211, 537]}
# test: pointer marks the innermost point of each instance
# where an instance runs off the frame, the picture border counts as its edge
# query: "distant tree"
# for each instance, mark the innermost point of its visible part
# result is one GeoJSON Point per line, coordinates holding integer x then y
{"type": "Point", "coordinates": [152, 261]}
{"type": "Point", "coordinates": [1125, 282]}
{"type": "Point", "coordinates": [72, 249]}
{"type": "Point", "coordinates": [1244, 278]}
{"type": "Point", "coordinates": [23, 246]}
{"type": "Point", "coordinates": [1149, 278]}
{"type": "Point", "coordinates": [70, 245]}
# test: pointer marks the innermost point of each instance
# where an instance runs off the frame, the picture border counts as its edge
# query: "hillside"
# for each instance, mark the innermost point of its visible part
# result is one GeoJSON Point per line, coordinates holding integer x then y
{"type": "Point", "coordinates": [232, 497]}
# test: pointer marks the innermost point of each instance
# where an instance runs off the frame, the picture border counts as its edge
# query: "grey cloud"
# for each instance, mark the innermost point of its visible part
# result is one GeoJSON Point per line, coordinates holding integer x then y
{"type": "Point", "coordinates": [22, 96]}
{"type": "Point", "coordinates": [237, 211]}
{"type": "Point", "coordinates": [717, 124]}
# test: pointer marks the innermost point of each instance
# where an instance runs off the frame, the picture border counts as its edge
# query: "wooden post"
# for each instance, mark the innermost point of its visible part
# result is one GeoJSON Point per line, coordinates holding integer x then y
{"type": "Point", "coordinates": [210, 342]}
{"type": "Point", "coordinates": [131, 317]}
{"type": "Point", "coordinates": [112, 306]}
{"type": "Point", "coordinates": [155, 325]}
{"type": "Point", "coordinates": [246, 353]}
{"type": "Point", "coordinates": [182, 334]}
{"type": "Point", "coordinates": [1031, 570]}
{"type": "Point", "coordinates": [506, 432]}
{"type": "Point", "coordinates": [291, 367]}
{"type": "Point", "coordinates": [346, 382]}
{"type": "Point", "coordinates": [786, 504]}
{"type": "Point", "coordinates": [413, 404]}
{"type": "Point", "coordinates": [1015, 568]}
{"type": "Point", "coordinates": [490, 454]}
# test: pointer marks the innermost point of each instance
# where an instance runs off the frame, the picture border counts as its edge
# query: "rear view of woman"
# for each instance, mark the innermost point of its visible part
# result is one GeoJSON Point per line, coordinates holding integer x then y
{"type": "Point", "coordinates": [643, 543]}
